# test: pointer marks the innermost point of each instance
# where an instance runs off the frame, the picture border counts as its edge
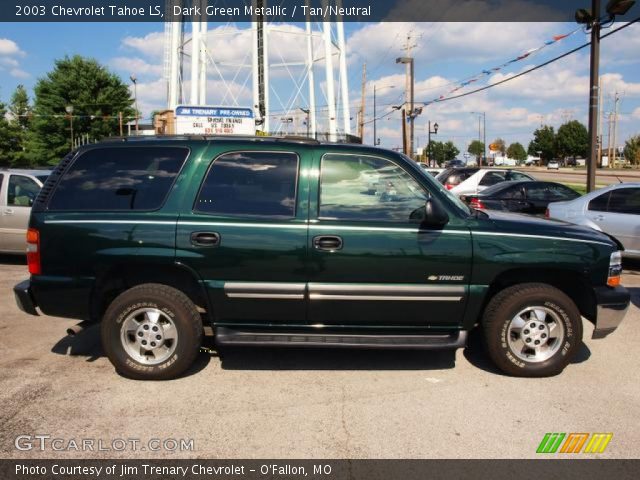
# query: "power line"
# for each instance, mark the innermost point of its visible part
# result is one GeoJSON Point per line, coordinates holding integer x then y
{"type": "Point", "coordinates": [537, 67]}
{"type": "Point", "coordinates": [486, 87]}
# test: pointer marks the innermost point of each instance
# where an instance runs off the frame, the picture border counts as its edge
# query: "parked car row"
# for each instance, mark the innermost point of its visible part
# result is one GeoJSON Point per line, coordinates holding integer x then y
{"type": "Point", "coordinates": [18, 190]}
{"type": "Point", "coordinates": [614, 210]}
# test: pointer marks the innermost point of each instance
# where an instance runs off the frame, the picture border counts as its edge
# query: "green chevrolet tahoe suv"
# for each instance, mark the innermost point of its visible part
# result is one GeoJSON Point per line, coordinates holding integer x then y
{"type": "Point", "coordinates": [285, 242]}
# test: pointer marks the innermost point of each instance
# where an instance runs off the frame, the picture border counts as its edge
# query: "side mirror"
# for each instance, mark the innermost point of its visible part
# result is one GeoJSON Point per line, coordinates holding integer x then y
{"type": "Point", "coordinates": [435, 214]}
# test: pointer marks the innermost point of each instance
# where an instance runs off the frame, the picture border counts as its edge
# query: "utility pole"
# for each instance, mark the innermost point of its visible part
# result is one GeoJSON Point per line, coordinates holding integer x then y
{"type": "Point", "coordinates": [600, 113]}
{"type": "Point", "coordinates": [609, 122]}
{"type": "Point", "coordinates": [362, 103]}
{"type": "Point", "coordinates": [404, 131]}
{"type": "Point", "coordinates": [592, 163]}
{"type": "Point", "coordinates": [615, 128]}
{"type": "Point", "coordinates": [375, 117]}
{"type": "Point", "coordinates": [408, 93]}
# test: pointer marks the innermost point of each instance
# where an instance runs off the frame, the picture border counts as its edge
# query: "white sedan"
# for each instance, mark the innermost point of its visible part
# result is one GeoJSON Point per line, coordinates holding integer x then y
{"type": "Point", "coordinates": [614, 210]}
{"type": "Point", "coordinates": [471, 181]}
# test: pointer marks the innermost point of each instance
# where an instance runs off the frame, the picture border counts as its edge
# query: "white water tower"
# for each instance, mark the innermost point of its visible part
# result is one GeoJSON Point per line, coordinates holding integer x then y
{"type": "Point", "coordinates": [291, 70]}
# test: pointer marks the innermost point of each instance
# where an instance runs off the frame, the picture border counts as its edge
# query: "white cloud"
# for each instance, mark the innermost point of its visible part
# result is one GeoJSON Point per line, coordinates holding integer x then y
{"type": "Point", "coordinates": [136, 65]}
{"type": "Point", "coordinates": [151, 44]}
{"type": "Point", "coordinates": [9, 47]}
{"type": "Point", "coordinates": [636, 113]}
{"type": "Point", "coordinates": [9, 50]}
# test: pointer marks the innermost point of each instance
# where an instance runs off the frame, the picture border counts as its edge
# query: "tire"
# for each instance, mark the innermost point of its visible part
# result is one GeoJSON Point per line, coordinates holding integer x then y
{"type": "Point", "coordinates": [511, 341]}
{"type": "Point", "coordinates": [162, 318]}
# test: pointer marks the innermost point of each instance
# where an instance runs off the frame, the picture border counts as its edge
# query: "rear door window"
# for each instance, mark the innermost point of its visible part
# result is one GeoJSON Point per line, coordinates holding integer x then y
{"type": "Point", "coordinates": [115, 179]}
{"type": "Point", "coordinates": [492, 178]}
{"type": "Point", "coordinates": [600, 203]}
{"type": "Point", "coordinates": [22, 191]}
{"type": "Point", "coordinates": [625, 200]}
{"type": "Point", "coordinates": [258, 184]}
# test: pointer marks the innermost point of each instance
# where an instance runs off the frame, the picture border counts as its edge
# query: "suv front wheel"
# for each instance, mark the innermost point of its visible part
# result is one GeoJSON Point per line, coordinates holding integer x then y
{"type": "Point", "coordinates": [151, 332]}
{"type": "Point", "coordinates": [532, 330]}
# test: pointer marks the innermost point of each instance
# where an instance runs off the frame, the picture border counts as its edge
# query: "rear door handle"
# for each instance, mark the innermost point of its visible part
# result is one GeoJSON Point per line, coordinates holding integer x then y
{"type": "Point", "coordinates": [598, 218]}
{"type": "Point", "coordinates": [328, 243]}
{"type": "Point", "coordinates": [8, 211]}
{"type": "Point", "coordinates": [205, 239]}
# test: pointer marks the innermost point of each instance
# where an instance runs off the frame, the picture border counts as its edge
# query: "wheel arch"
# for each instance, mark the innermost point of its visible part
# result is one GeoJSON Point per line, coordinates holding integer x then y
{"type": "Point", "coordinates": [571, 283]}
{"type": "Point", "coordinates": [121, 277]}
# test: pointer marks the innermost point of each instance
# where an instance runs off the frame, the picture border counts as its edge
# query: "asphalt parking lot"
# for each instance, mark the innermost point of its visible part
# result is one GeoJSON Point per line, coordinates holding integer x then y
{"type": "Point", "coordinates": [273, 403]}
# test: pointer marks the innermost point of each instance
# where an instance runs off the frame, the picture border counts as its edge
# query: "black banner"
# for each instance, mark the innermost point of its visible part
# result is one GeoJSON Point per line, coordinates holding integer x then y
{"type": "Point", "coordinates": [584, 469]}
{"type": "Point", "coordinates": [295, 10]}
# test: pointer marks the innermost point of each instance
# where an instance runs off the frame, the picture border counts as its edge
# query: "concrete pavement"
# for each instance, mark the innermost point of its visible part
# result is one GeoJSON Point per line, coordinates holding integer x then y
{"type": "Point", "coordinates": [262, 403]}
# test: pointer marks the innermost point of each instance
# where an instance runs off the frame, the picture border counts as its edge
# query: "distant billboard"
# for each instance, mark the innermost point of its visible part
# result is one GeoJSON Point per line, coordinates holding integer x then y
{"type": "Point", "coordinates": [199, 120]}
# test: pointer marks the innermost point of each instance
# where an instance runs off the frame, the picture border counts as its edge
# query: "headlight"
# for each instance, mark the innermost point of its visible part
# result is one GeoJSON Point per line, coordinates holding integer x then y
{"type": "Point", "coordinates": [615, 269]}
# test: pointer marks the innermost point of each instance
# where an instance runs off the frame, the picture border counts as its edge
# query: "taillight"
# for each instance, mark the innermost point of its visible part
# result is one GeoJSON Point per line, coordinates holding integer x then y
{"type": "Point", "coordinates": [477, 204]}
{"type": "Point", "coordinates": [448, 186]}
{"type": "Point", "coordinates": [546, 213]}
{"type": "Point", "coordinates": [615, 269]}
{"type": "Point", "coordinates": [33, 251]}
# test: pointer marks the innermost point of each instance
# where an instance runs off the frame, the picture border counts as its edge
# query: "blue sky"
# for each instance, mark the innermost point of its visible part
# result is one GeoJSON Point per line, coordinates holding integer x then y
{"type": "Point", "coordinates": [444, 53]}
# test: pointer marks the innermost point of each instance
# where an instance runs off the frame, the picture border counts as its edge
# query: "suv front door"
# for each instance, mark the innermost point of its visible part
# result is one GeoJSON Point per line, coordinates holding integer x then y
{"type": "Point", "coordinates": [371, 262]}
{"type": "Point", "coordinates": [18, 197]}
{"type": "Point", "coordinates": [245, 234]}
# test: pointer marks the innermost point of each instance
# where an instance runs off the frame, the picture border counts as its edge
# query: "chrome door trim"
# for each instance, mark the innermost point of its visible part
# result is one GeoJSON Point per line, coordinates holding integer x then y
{"type": "Point", "coordinates": [265, 291]}
{"type": "Point", "coordinates": [386, 292]}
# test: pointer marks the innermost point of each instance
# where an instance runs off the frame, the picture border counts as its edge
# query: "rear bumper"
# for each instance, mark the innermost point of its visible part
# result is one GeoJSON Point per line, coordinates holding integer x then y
{"type": "Point", "coordinates": [24, 298]}
{"type": "Point", "coordinates": [612, 306]}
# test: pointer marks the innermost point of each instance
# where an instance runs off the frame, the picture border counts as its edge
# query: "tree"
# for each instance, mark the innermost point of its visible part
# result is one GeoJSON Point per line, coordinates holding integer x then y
{"type": "Point", "coordinates": [19, 119]}
{"type": "Point", "coordinates": [517, 152]}
{"type": "Point", "coordinates": [572, 140]}
{"type": "Point", "coordinates": [476, 148]}
{"type": "Point", "coordinates": [543, 143]}
{"type": "Point", "coordinates": [96, 95]}
{"type": "Point", "coordinates": [441, 152]}
{"type": "Point", "coordinates": [502, 146]}
{"type": "Point", "coordinates": [632, 150]}
{"type": "Point", "coordinates": [8, 138]}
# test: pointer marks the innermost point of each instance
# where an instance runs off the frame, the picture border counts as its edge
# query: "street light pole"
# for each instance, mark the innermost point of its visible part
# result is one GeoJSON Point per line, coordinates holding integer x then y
{"type": "Point", "coordinates": [412, 110]}
{"type": "Point", "coordinates": [307, 112]}
{"type": "Point", "coordinates": [432, 163]}
{"type": "Point", "coordinates": [482, 134]}
{"type": "Point", "coordinates": [69, 110]}
{"type": "Point", "coordinates": [135, 99]}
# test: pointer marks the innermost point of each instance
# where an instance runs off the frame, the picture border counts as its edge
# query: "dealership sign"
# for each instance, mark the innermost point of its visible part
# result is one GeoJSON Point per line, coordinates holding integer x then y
{"type": "Point", "coordinates": [192, 120]}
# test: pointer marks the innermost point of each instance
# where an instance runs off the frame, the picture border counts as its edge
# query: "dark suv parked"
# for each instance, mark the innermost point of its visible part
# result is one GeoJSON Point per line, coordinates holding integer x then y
{"type": "Point", "coordinates": [290, 243]}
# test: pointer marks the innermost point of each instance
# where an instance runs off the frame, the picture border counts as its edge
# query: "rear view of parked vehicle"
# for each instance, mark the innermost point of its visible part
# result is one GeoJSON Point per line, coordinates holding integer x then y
{"type": "Point", "coordinates": [466, 181]}
{"type": "Point", "coordinates": [18, 190]}
{"type": "Point", "coordinates": [530, 197]}
{"type": "Point", "coordinates": [614, 210]}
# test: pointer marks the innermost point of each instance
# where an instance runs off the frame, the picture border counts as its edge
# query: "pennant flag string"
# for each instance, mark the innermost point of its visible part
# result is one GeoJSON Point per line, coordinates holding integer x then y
{"type": "Point", "coordinates": [491, 71]}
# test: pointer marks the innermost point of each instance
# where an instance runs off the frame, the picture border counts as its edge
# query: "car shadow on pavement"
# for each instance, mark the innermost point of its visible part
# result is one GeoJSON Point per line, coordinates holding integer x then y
{"type": "Point", "coordinates": [631, 264]}
{"type": "Point", "coordinates": [12, 259]}
{"type": "Point", "coordinates": [87, 344]}
{"type": "Point", "coordinates": [477, 356]}
{"type": "Point", "coordinates": [635, 295]}
{"type": "Point", "coordinates": [274, 358]}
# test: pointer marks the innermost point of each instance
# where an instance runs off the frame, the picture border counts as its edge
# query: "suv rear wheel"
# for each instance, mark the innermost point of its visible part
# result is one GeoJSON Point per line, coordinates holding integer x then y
{"type": "Point", "coordinates": [532, 330]}
{"type": "Point", "coordinates": [151, 332]}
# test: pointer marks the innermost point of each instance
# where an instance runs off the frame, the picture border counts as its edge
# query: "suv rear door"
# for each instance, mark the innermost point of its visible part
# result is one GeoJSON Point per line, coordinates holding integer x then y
{"type": "Point", "coordinates": [371, 263]}
{"type": "Point", "coordinates": [244, 231]}
{"type": "Point", "coordinates": [18, 196]}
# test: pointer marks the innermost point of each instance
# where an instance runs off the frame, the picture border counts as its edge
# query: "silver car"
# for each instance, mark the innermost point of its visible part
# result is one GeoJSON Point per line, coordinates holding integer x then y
{"type": "Point", "coordinates": [18, 190]}
{"type": "Point", "coordinates": [614, 210]}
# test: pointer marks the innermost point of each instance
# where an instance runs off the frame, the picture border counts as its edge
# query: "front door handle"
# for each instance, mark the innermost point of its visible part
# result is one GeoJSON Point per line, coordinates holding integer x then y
{"type": "Point", "coordinates": [328, 243]}
{"type": "Point", "coordinates": [205, 239]}
{"type": "Point", "coordinates": [598, 218]}
{"type": "Point", "coordinates": [8, 211]}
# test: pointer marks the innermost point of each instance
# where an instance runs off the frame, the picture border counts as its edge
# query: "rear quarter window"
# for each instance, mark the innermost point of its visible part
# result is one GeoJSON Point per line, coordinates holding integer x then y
{"type": "Point", "coordinates": [116, 179]}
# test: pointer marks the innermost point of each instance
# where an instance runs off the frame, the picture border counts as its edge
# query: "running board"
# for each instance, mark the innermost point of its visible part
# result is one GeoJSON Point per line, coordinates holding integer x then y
{"type": "Point", "coordinates": [228, 336]}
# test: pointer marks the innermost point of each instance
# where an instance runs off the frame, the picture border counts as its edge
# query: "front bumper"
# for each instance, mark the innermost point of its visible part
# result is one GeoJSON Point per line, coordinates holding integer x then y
{"type": "Point", "coordinates": [612, 306]}
{"type": "Point", "coordinates": [24, 298]}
